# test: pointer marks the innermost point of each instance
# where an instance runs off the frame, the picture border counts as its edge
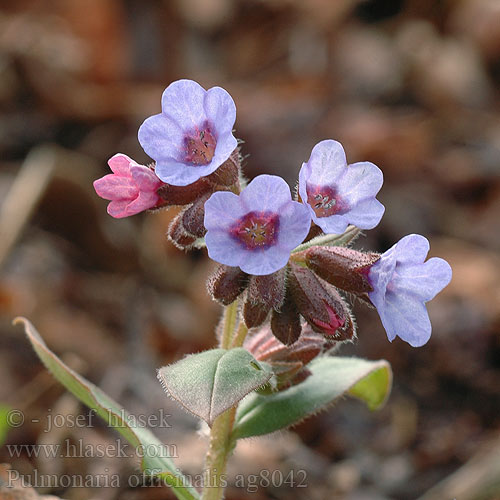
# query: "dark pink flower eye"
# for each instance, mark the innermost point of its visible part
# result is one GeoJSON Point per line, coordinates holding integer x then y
{"type": "Point", "coordinates": [256, 230]}
{"type": "Point", "coordinates": [324, 201]}
{"type": "Point", "coordinates": [200, 146]}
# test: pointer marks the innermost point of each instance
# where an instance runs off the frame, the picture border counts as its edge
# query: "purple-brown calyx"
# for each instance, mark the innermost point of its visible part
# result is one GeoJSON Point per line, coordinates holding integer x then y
{"type": "Point", "coordinates": [200, 146]}
{"type": "Point", "coordinates": [256, 230]}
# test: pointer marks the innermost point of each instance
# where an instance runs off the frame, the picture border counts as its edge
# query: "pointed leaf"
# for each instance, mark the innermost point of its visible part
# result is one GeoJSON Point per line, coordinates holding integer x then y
{"type": "Point", "coordinates": [332, 377]}
{"type": "Point", "coordinates": [4, 423]}
{"type": "Point", "coordinates": [209, 383]}
{"type": "Point", "coordinates": [153, 462]}
{"type": "Point", "coordinates": [340, 240]}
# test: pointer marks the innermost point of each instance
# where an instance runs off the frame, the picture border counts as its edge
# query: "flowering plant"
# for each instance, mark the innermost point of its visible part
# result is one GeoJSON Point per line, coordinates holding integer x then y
{"type": "Point", "coordinates": [285, 268]}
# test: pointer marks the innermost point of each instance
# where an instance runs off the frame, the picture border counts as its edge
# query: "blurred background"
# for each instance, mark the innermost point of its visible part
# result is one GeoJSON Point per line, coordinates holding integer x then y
{"type": "Point", "coordinates": [409, 85]}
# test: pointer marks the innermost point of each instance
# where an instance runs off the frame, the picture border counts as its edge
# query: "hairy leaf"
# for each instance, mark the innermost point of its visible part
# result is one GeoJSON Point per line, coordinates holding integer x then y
{"type": "Point", "coordinates": [331, 378]}
{"type": "Point", "coordinates": [210, 382]}
{"type": "Point", "coordinates": [155, 459]}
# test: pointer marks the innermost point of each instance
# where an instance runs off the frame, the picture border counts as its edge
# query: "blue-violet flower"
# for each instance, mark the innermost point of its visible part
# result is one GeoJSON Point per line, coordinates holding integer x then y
{"type": "Point", "coordinates": [257, 229]}
{"type": "Point", "coordinates": [192, 136]}
{"type": "Point", "coordinates": [402, 283]}
{"type": "Point", "coordinates": [337, 194]}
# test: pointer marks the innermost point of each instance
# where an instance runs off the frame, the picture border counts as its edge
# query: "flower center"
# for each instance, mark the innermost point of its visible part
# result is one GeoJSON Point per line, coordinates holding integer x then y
{"type": "Point", "coordinates": [324, 200]}
{"type": "Point", "coordinates": [256, 230]}
{"type": "Point", "coordinates": [200, 146]}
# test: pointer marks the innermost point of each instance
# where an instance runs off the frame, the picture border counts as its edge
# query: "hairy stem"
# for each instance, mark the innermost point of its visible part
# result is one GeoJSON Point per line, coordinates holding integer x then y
{"type": "Point", "coordinates": [230, 319]}
{"type": "Point", "coordinates": [221, 445]}
{"type": "Point", "coordinates": [240, 335]}
{"type": "Point", "coordinates": [219, 449]}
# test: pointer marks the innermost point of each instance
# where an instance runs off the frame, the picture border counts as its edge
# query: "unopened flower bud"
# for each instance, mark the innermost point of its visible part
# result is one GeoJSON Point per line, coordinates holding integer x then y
{"type": "Point", "coordinates": [178, 235]}
{"type": "Point", "coordinates": [343, 267]}
{"type": "Point", "coordinates": [286, 361]}
{"type": "Point", "coordinates": [320, 304]}
{"type": "Point", "coordinates": [285, 323]}
{"type": "Point", "coordinates": [183, 195]}
{"type": "Point", "coordinates": [192, 218]}
{"type": "Point", "coordinates": [264, 293]}
{"type": "Point", "coordinates": [131, 188]}
{"type": "Point", "coordinates": [226, 284]}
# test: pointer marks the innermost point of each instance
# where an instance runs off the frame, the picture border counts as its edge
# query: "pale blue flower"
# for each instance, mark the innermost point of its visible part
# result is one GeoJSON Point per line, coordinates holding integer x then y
{"type": "Point", "coordinates": [338, 194]}
{"type": "Point", "coordinates": [257, 229]}
{"type": "Point", "coordinates": [193, 135]}
{"type": "Point", "coordinates": [402, 283]}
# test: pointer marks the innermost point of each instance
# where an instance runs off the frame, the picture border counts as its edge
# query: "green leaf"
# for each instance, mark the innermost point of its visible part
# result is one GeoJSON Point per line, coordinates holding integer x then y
{"type": "Point", "coordinates": [210, 382]}
{"type": "Point", "coordinates": [332, 377]}
{"type": "Point", "coordinates": [339, 240]}
{"type": "Point", "coordinates": [4, 423]}
{"type": "Point", "coordinates": [153, 461]}
{"type": "Point", "coordinates": [374, 389]}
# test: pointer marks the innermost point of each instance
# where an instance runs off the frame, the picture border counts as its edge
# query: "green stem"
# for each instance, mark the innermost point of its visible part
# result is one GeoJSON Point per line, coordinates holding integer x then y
{"type": "Point", "coordinates": [221, 445]}
{"type": "Point", "coordinates": [240, 336]}
{"type": "Point", "coordinates": [218, 452]}
{"type": "Point", "coordinates": [230, 318]}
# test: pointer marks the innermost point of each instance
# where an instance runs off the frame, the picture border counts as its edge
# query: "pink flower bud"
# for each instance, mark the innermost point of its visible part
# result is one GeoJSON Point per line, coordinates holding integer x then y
{"type": "Point", "coordinates": [131, 188]}
{"type": "Point", "coordinates": [320, 304]}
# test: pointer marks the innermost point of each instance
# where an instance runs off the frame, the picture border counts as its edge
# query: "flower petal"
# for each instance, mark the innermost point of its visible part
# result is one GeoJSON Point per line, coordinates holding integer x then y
{"type": "Point", "coordinates": [295, 222]}
{"type": "Point", "coordinates": [335, 224]}
{"type": "Point", "coordinates": [226, 144]}
{"type": "Point", "coordinates": [145, 178]}
{"type": "Point", "coordinates": [406, 318]}
{"type": "Point", "coordinates": [162, 138]}
{"type": "Point", "coordinates": [113, 187]}
{"type": "Point", "coordinates": [120, 164]}
{"type": "Point", "coordinates": [365, 214]}
{"type": "Point", "coordinates": [223, 248]}
{"type": "Point", "coordinates": [327, 164]}
{"type": "Point", "coordinates": [222, 210]}
{"type": "Point", "coordinates": [264, 262]}
{"type": "Point", "coordinates": [144, 201]}
{"type": "Point", "coordinates": [412, 249]}
{"type": "Point", "coordinates": [182, 102]}
{"type": "Point", "coordinates": [118, 208]}
{"type": "Point", "coordinates": [361, 181]}
{"type": "Point", "coordinates": [266, 193]}
{"type": "Point", "coordinates": [425, 280]}
{"type": "Point", "coordinates": [220, 109]}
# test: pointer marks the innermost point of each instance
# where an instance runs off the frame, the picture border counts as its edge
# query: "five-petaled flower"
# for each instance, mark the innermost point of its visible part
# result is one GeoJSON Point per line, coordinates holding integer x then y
{"type": "Point", "coordinates": [402, 283]}
{"type": "Point", "coordinates": [132, 188]}
{"type": "Point", "coordinates": [257, 229]}
{"type": "Point", "coordinates": [192, 136]}
{"type": "Point", "coordinates": [337, 194]}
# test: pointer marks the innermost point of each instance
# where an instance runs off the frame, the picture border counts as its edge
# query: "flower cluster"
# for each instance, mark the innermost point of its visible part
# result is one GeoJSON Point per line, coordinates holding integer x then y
{"type": "Point", "coordinates": [286, 280]}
